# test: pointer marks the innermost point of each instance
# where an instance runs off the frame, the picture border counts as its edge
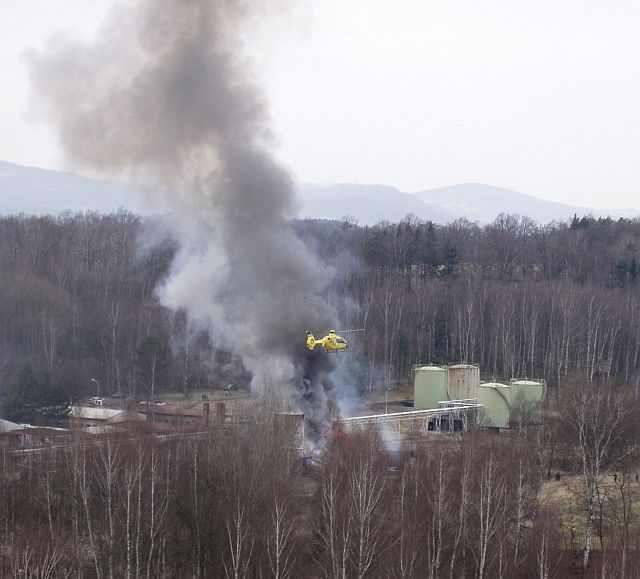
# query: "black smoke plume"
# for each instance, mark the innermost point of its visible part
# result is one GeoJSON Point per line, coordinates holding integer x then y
{"type": "Point", "coordinates": [163, 96]}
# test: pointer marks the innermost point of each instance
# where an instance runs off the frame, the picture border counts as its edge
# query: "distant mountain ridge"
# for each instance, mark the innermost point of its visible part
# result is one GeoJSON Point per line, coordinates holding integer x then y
{"type": "Point", "coordinates": [483, 203]}
{"type": "Point", "coordinates": [37, 191]}
{"type": "Point", "coordinates": [473, 201]}
{"type": "Point", "coordinates": [367, 204]}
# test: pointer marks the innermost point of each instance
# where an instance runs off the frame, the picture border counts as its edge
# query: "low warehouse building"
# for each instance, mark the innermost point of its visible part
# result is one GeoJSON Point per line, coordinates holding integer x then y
{"type": "Point", "coordinates": [96, 419]}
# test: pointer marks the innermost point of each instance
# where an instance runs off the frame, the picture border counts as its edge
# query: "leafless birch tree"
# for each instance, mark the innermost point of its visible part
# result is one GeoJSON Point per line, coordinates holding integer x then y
{"type": "Point", "coordinates": [595, 415]}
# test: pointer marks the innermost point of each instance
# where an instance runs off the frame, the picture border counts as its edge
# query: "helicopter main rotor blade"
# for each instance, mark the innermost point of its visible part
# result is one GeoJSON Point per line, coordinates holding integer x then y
{"type": "Point", "coordinates": [336, 331]}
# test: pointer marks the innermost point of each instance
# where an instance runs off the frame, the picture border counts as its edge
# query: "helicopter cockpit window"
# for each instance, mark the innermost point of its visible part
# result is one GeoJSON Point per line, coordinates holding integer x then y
{"type": "Point", "coordinates": [341, 341]}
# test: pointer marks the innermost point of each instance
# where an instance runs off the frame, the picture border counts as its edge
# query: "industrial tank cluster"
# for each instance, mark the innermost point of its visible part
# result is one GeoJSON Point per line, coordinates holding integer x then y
{"type": "Point", "coordinates": [517, 399]}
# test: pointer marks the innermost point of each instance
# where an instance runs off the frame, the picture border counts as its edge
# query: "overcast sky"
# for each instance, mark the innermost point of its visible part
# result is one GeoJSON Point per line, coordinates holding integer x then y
{"type": "Point", "coordinates": [540, 96]}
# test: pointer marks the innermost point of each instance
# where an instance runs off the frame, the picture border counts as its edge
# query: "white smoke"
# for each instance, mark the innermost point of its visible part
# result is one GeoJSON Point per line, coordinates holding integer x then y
{"type": "Point", "coordinates": [163, 95]}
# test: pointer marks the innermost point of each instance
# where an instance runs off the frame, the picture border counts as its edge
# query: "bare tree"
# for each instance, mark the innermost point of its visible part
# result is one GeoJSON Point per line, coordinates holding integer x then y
{"type": "Point", "coordinates": [38, 562]}
{"type": "Point", "coordinates": [279, 545]}
{"type": "Point", "coordinates": [435, 485]}
{"type": "Point", "coordinates": [240, 544]}
{"type": "Point", "coordinates": [544, 553]}
{"type": "Point", "coordinates": [408, 552]}
{"type": "Point", "coordinates": [332, 528]}
{"type": "Point", "coordinates": [107, 477]}
{"type": "Point", "coordinates": [365, 490]}
{"type": "Point", "coordinates": [159, 496]}
{"type": "Point", "coordinates": [130, 481]}
{"type": "Point", "coordinates": [490, 507]}
{"type": "Point", "coordinates": [595, 415]}
{"type": "Point", "coordinates": [463, 477]}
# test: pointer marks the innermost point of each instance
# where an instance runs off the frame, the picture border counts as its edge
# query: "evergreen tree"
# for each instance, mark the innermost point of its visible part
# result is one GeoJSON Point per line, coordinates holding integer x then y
{"type": "Point", "coordinates": [33, 399]}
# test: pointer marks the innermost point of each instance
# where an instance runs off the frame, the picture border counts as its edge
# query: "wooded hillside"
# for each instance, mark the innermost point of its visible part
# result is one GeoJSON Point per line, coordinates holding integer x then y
{"type": "Point", "coordinates": [516, 298]}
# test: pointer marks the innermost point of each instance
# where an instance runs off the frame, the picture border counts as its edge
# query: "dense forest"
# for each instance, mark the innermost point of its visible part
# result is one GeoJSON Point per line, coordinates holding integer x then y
{"type": "Point", "coordinates": [237, 502]}
{"type": "Point", "coordinates": [517, 298]}
{"type": "Point", "coordinates": [545, 500]}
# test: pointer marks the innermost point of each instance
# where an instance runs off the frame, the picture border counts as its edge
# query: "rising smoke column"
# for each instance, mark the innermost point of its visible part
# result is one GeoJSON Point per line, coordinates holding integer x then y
{"type": "Point", "coordinates": [162, 96]}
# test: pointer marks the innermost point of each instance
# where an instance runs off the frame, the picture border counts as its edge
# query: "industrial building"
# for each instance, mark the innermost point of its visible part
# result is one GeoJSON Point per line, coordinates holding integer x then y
{"type": "Point", "coordinates": [502, 403]}
{"type": "Point", "coordinates": [176, 415]}
{"type": "Point", "coordinates": [96, 419]}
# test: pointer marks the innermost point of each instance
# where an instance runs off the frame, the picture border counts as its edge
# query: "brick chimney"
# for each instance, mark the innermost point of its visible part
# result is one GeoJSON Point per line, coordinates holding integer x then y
{"type": "Point", "coordinates": [205, 413]}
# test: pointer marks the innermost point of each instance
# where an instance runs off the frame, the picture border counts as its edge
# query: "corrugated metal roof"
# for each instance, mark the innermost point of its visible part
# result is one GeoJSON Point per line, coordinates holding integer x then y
{"type": "Point", "coordinates": [93, 413]}
{"type": "Point", "coordinates": [6, 426]}
{"type": "Point", "coordinates": [41, 430]}
{"type": "Point", "coordinates": [171, 410]}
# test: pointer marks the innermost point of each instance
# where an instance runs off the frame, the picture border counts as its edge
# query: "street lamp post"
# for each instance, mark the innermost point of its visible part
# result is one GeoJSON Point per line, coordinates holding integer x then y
{"type": "Point", "coordinates": [386, 400]}
{"type": "Point", "coordinates": [98, 387]}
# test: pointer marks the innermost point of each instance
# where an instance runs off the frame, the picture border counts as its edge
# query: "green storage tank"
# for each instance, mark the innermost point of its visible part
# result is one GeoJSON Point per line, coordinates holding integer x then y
{"type": "Point", "coordinates": [527, 396]}
{"type": "Point", "coordinates": [532, 391]}
{"type": "Point", "coordinates": [496, 398]}
{"type": "Point", "coordinates": [429, 387]}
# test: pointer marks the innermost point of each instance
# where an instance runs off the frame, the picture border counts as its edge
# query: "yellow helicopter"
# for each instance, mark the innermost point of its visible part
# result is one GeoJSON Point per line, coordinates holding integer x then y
{"type": "Point", "coordinates": [332, 342]}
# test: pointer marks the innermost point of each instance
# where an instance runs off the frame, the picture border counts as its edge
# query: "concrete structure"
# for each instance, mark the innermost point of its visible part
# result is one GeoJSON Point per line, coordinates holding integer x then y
{"type": "Point", "coordinates": [137, 427]}
{"type": "Point", "coordinates": [177, 415]}
{"type": "Point", "coordinates": [9, 438]}
{"type": "Point", "coordinates": [40, 436]}
{"type": "Point", "coordinates": [395, 428]}
{"type": "Point", "coordinates": [430, 386]}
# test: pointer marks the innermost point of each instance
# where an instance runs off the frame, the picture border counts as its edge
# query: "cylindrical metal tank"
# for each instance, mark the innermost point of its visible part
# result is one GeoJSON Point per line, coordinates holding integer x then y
{"type": "Point", "coordinates": [530, 391]}
{"type": "Point", "coordinates": [496, 398]}
{"type": "Point", "coordinates": [429, 387]}
{"type": "Point", "coordinates": [463, 381]}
